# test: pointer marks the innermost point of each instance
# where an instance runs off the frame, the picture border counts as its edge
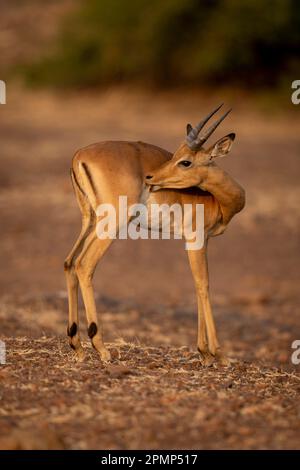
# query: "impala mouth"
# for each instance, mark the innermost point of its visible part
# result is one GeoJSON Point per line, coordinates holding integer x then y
{"type": "Point", "coordinates": [154, 187]}
{"type": "Point", "coordinates": [165, 185]}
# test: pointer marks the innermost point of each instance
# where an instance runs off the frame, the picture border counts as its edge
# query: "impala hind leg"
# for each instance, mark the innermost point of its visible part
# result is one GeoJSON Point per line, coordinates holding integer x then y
{"type": "Point", "coordinates": [72, 288]}
{"type": "Point", "coordinates": [85, 265]}
{"type": "Point", "coordinates": [86, 228]}
{"type": "Point", "coordinates": [88, 224]}
{"type": "Point", "coordinates": [73, 323]}
{"type": "Point", "coordinates": [208, 344]}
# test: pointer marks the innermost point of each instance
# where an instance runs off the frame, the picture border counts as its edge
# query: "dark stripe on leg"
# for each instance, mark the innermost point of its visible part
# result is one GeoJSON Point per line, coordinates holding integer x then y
{"type": "Point", "coordinates": [72, 331]}
{"type": "Point", "coordinates": [92, 331]}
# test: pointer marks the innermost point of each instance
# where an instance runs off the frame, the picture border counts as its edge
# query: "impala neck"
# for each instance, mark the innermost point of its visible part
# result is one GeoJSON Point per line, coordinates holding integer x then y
{"type": "Point", "coordinates": [229, 194]}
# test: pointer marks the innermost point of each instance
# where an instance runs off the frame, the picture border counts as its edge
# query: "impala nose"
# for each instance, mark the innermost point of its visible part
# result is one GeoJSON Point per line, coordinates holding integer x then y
{"type": "Point", "coordinates": [148, 177]}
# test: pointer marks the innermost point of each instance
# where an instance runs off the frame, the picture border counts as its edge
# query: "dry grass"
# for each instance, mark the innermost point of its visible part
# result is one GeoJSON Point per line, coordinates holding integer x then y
{"type": "Point", "coordinates": [155, 393]}
{"type": "Point", "coordinates": [150, 398]}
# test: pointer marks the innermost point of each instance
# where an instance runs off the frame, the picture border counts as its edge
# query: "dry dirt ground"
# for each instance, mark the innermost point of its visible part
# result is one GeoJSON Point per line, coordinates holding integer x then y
{"type": "Point", "coordinates": [156, 394]}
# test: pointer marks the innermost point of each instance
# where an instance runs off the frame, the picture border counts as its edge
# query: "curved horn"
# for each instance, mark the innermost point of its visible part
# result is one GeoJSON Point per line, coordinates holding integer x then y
{"type": "Point", "coordinates": [196, 144]}
{"type": "Point", "coordinates": [203, 138]}
{"type": "Point", "coordinates": [193, 134]}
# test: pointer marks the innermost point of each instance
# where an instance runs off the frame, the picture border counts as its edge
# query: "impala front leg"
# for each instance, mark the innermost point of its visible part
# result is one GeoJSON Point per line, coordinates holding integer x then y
{"type": "Point", "coordinates": [202, 343]}
{"type": "Point", "coordinates": [208, 344]}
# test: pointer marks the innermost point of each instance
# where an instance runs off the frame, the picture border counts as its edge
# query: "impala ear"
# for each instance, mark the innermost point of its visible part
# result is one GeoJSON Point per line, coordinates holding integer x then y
{"type": "Point", "coordinates": [189, 127]}
{"type": "Point", "coordinates": [222, 146]}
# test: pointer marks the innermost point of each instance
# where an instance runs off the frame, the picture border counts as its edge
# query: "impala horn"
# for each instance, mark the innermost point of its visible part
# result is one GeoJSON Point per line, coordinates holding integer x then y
{"type": "Point", "coordinates": [193, 141]}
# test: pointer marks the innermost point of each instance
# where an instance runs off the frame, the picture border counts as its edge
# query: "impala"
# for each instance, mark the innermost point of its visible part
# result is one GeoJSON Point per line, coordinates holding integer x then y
{"type": "Point", "coordinates": [104, 171]}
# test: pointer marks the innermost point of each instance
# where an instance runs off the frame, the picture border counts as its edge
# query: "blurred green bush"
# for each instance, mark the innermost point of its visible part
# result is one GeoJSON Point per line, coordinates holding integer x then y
{"type": "Point", "coordinates": [174, 42]}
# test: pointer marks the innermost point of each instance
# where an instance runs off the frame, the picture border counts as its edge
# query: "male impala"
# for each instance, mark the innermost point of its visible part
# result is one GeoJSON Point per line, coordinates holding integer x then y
{"type": "Point", "coordinates": [104, 171]}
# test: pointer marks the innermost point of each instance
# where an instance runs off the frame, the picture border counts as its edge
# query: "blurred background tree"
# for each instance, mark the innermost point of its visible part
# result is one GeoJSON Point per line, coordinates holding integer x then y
{"type": "Point", "coordinates": [174, 43]}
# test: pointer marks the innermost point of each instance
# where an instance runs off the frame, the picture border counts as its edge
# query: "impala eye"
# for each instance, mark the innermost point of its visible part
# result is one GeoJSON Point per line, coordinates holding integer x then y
{"type": "Point", "coordinates": [185, 163]}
